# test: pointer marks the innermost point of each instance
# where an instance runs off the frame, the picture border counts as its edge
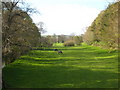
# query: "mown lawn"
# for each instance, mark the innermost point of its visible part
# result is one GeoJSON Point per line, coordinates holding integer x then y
{"type": "Point", "coordinates": [78, 67]}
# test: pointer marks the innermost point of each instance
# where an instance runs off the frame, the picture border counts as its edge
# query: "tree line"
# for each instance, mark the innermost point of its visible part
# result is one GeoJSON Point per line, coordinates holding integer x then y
{"type": "Point", "coordinates": [19, 33]}
{"type": "Point", "coordinates": [104, 30]}
{"type": "Point", "coordinates": [72, 40]}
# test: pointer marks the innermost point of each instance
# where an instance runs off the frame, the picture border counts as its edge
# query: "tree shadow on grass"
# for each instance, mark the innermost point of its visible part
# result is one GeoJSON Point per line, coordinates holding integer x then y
{"type": "Point", "coordinates": [35, 76]}
{"type": "Point", "coordinates": [83, 52]}
{"type": "Point", "coordinates": [63, 49]}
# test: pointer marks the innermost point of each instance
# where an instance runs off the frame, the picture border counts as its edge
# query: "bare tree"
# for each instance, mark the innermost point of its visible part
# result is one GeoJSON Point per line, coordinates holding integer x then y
{"type": "Point", "coordinates": [41, 27]}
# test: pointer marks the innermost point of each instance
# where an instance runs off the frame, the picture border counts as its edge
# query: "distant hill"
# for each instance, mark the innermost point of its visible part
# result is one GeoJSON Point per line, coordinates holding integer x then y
{"type": "Point", "coordinates": [104, 29]}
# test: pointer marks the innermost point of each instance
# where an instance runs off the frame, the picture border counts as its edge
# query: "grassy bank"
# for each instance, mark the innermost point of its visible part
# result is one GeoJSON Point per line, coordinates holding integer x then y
{"type": "Point", "coordinates": [78, 67]}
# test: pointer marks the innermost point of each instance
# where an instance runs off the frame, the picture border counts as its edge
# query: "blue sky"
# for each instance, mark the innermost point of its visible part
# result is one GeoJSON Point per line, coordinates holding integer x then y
{"type": "Point", "coordinates": [67, 16]}
{"type": "Point", "coordinates": [99, 4]}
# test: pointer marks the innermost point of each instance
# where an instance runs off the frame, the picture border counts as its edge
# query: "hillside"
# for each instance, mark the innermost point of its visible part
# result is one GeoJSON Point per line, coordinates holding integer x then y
{"type": "Point", "coordinates": [104, 29]}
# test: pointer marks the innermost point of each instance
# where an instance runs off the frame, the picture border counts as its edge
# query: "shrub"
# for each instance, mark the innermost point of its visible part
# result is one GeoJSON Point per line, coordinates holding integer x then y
{"type": "Point", "coordinates": [69, 43]}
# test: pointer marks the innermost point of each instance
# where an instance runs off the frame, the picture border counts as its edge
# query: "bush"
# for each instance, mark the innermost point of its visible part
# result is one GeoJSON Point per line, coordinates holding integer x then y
{"type": "Point", "coordinates": [69, 43]}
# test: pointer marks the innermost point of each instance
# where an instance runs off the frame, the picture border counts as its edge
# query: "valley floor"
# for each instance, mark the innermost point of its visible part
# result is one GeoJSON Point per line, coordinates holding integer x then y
{"type": "Point", "coordinates": [78, 67]}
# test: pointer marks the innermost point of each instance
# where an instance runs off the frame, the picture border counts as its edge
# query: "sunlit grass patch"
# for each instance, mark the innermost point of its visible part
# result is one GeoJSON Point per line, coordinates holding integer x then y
{"type": "Point", "coordinates": [78, 67]}
{"type": "Point", "coordinates": [112, 56]}
{"type": "Point", "coordinates": [58, 45]}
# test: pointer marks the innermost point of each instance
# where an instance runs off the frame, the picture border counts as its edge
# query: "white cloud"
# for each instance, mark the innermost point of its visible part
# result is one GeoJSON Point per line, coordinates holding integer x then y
{"type": "Point", "coordinates": [67, 18]}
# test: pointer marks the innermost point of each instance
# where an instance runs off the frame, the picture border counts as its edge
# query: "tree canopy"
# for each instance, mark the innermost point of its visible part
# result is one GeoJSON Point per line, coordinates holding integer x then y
{"type": "Point", "coordinates": [19, 33]}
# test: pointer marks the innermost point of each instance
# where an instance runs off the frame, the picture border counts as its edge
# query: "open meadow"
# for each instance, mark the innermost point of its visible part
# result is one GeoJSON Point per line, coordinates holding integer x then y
{"type": "Point", "coordinates": [77, 67]}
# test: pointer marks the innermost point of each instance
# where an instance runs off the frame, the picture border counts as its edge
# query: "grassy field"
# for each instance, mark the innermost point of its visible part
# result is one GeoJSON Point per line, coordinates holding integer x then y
{"type": "Point", "coordinates": [78, 67]}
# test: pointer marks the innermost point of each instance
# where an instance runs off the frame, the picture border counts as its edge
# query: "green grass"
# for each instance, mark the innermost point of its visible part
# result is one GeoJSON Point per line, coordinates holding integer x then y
{"type": "Point", "coordinates": [78, 67]}
{"type": "Point", "coordinates": [58, 45]}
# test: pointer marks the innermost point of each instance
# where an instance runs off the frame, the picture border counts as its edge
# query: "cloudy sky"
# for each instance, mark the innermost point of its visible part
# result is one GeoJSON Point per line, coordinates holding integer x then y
{"type": "Point", "coordinates": [67, 16]}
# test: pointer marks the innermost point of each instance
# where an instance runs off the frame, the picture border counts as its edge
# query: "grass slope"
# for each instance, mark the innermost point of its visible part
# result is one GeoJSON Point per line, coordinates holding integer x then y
{"type": "Point", "coordinates": [77, 67]}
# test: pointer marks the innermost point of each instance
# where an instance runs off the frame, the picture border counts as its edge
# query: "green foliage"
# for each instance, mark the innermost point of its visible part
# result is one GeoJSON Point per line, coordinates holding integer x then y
{"type": "Point", "coordinates": [19, 33]}
{"type": "Point", "coordinates": [89, 37]}
{"type": "Point", "coordinates": [78, 40]}
{"type": "Point", "coordinates": [69, 43]}
{"type": "Point", "coordinates": [78, 67]}
{"type": "Point", "coordinates": [104, 28]}
{"type": "Point", "coordinates": [47, 41]}
{"type": "Point", "coordinates": [58, 45]}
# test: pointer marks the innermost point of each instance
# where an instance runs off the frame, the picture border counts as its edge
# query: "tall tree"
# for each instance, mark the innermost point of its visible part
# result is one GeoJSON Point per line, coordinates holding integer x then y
{"type": "Point", "coordinates": [18, 31]}
{"type": "Point", "coordinates": [104, 29]}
